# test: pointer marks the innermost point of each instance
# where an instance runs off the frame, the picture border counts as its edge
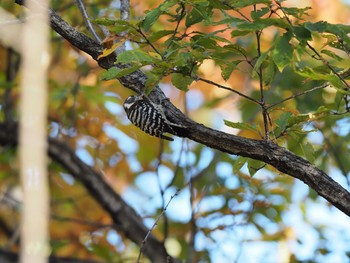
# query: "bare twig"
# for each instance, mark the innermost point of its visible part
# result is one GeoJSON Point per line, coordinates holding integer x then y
{"type": "Point", "coordinates": [86, 18]}
{"type": "Point", "coordinates": [179, 18]}
{"type": "Point", "coordinates": [139, 30]}
{"type": "Point", "coordinates": [237, 10]}
{"type": "Point", "coordinates": [229, 89]}
{"type": "Point", "coordinates": [193, 224]}
{"type": "Point", "coordinates": [261, 86]}
{"type": "Point", "coordinates": [144, 241]}
{"type": "Point", "coordinates": [162, 191]}
{"type": "Point", "coordinates": [297, 95]}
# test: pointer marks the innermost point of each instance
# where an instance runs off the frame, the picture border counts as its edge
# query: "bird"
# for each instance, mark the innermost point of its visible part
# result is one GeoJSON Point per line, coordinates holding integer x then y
{"type": "Point", "coordinates": [148, 116]}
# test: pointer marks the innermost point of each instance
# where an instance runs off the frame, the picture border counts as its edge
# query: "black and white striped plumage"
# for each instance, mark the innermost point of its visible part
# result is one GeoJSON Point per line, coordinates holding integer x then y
{"type": "Point", "coordinates": [147, 116]}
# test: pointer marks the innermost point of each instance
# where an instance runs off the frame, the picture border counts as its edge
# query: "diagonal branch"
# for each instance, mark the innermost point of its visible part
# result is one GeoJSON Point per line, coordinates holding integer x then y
{"type": "Point", "coordinates": [124, 217]}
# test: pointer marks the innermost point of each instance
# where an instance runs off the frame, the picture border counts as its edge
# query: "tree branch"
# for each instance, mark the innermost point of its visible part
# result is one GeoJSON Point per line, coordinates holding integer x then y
{"type": "Point", "coordinates": [266, 151]}
{"type": "Point", "coordinates": [124, 217]}
{"type": "Point", "coordinates": [86, 19]}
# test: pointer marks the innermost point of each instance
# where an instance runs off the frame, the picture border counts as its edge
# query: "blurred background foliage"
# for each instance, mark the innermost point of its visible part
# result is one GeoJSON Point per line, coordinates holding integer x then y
{"type": "Point", "coordinates": [224, 208]}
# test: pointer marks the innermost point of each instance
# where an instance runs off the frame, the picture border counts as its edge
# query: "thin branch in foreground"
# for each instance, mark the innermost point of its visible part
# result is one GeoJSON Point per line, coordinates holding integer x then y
{"type": "Point", "coordinates": [155, 224]}
{"type": "Point", "coordinates": [86, 18]}
{"type": "Point", "coordinates": [297, 95]}
{"type": "Point", "coordinates": [125, 10]}
{"type": "Point", "coordinates": [161, 190]}
{"type": "Point", "coordinates": [261, 87]}
{"type": "Point", "coordinates": [229, 89]}
{"type": "Point", "coordinates": [178, 18]}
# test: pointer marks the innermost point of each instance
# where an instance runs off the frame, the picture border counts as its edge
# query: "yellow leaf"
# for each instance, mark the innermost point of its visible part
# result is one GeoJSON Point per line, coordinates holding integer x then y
{"type": "Point", "coordinates": [155, 55]}
{"type": "Point", "coordinates": [108, 51]}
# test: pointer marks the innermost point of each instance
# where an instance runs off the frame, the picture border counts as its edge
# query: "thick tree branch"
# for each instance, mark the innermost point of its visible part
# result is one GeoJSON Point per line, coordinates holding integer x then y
{"type": "Point", "coordinates": [124, 217]}
{"type": "Point", "coordinates": [266, 151]}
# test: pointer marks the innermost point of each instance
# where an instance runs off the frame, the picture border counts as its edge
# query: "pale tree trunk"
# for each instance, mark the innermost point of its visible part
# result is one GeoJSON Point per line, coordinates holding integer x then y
{"type": "Point", "coordinates": [33, 142]}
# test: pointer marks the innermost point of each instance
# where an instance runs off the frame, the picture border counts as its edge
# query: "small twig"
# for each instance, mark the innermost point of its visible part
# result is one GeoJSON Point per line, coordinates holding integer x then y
{"type": "Point", "coordinates": [75, 90]}
{"type": "Point", "coordinates": [261, 86]}
{"type": "Point", "coordinates": [144, 241]}
{"type": "Point", "coordinates": [162, 192]}
{"type": "Point", "coordinates": [238, 11]}
{"type": "Point", "coordinates": [182, 14]}
{"type": "Point", "coordinates": [227, 88]}
{"type": "Point", "coordinates": [297, 95]}
{"type": "Point", "coordinates": [193, 225]}
{"type": "Point", "coordinates": [85, 15]}
{"type": "Point", "coordinates": [138, 29]}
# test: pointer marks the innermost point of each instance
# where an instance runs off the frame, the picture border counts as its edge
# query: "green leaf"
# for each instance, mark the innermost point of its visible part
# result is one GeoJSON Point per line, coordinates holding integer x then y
{"type": "Point", "coordinates": [263, 57]}
{"type": "Point", "coordinates": [154, 36]}
{"type": "Point", "coordinates": [240, 125]}
{"type": "Point", "coordinates": [181, 81]}
{"type": "Point", "coordinates": [259, 13]}
{"type": "Point", "coordinates": [196, 15]}
{"type": "Point", "coordinates": [282, 53]}
{"type": "Point", "coordinates": [260, 24]}
{"type": "Point", "coordinates": [115, 26]}
{"type": "Point", "coordinates": [182, 59]}
{"type": "Point", "coordinates": [296, 12]}
{"type": "Point", "coordinates": [332, 54]}
{"type": "Point", "coordinates": [114, 73]}
{"type": "Point", "coordinates": [153, 15]}
{"type": "Point", "coordinates": [153, 77]}
{"type": "Point", "coordinates": [254, 166]}
{"type": "Point", "coordinates": [283, 121]}
{"type": "Point", "coordinates": [238, 164]}
{"type": "Point", "coordinates": [227, 69]}
{"type": "Point", "coordinates": [336, 29]}
{"type": "Point", "coordinates": [136, 56]}
{"type": "Point", "coordinates": [105, 21]}
{"type": "Point", "coordinates": [269, 73]}
{"type": "Point", "coordinates": [238, 33]}
{"type": "Point", "coordinates": [150, 18]}
{"type": "Point", "coordinates": [228, 21]}
{"type": "Point", "coordinates": [309, 151]}
{"type": "Point", "coordinates": [240, 3]}
{"type": "Point", "coordinates": [318, 74]}
{"type": "Point", "coordinates": [302, 34]}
